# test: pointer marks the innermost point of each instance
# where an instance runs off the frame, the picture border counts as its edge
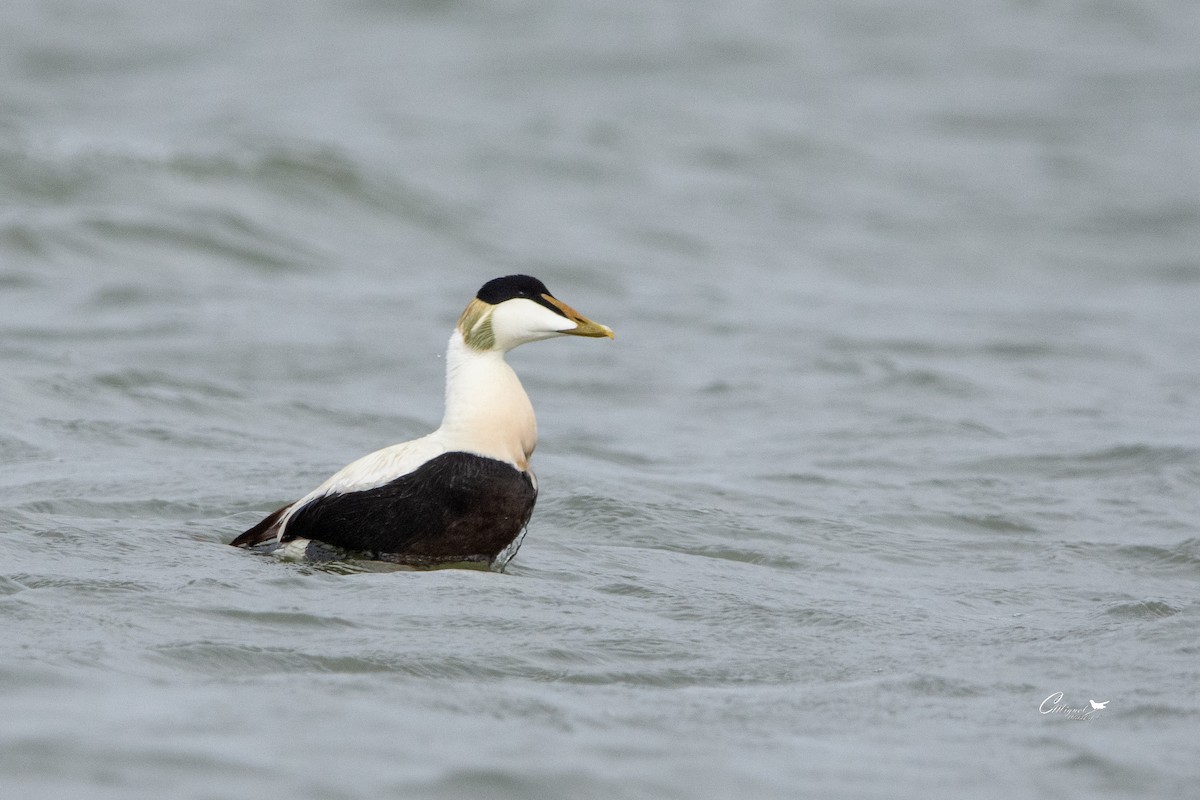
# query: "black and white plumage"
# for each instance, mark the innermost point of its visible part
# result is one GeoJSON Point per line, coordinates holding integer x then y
{"type": "Point", "coordinates": [463, 494]}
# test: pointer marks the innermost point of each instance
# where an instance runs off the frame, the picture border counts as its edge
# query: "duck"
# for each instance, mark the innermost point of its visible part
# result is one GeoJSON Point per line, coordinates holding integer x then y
{"type": "Point", "coordinates": [461, 496]}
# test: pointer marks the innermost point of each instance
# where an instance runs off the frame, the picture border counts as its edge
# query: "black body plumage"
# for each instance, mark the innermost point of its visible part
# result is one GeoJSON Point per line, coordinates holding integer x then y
{"type": "Point", "coordinates": [456, 507]}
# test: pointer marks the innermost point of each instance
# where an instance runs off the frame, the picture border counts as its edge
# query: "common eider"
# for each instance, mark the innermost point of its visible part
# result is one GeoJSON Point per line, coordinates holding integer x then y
{"type": "Point", "coordinates": [462, 495]}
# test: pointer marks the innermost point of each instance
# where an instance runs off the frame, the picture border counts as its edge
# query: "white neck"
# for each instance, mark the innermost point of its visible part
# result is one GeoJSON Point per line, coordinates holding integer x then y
{"type": "Point", "coordinates": [487, 410]}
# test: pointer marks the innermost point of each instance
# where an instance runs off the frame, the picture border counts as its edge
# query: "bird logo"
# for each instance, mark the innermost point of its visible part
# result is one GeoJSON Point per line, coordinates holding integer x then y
{"type": "Point", "coordinates": [1096, 706]}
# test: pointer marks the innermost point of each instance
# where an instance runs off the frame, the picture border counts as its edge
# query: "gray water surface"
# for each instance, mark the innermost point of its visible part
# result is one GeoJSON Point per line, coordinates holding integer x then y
{"type": "Point", "coordinates": [899, 436]}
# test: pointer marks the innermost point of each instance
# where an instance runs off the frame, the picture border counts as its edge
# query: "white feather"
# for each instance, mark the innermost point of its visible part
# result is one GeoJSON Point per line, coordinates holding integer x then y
{"type": "Point", "coordinates": [520, 321]}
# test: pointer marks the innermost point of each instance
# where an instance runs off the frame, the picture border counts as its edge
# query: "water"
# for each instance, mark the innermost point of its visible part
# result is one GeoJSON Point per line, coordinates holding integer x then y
{"type": "Point", "coordinates": [899, 436]}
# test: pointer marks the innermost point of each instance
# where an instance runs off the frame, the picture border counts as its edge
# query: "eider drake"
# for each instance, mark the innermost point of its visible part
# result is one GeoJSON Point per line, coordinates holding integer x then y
{"type": "Point", "coordinates": [463, 494]}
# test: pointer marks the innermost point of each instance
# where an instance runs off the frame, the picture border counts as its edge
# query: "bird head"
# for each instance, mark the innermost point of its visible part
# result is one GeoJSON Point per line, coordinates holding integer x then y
{"type": "Point", "coordinates": [516, 309]}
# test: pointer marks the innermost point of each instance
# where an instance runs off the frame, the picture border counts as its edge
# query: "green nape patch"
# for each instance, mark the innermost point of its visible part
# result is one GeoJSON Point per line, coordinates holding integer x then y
{"type": "Point", "coordinates": [476, 325]}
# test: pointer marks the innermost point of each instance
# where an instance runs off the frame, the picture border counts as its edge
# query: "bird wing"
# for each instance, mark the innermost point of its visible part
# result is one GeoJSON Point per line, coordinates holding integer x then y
{"type": "Point", "coordinates": [368, 472]}
{"type": "Point", "coordinates": [376, 469]}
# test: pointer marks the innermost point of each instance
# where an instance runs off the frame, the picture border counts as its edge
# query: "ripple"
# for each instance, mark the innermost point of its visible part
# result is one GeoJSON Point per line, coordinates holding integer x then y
{"type": "Point", "coordinates": [998, 523]}
{"type": "Point", "coordinates": [14, 450]}
{"type": "Point", "coordinates": [1184, 556]}
{"type": "Point", "coordinates": [937, 381]}
{"type": "Point", "coordinates": [159, 385]}
{"type": "Point", "coordinates": [301, 170]}
{"type": "Point", "coordinates": [298, 172]}
{"type": "Point", "coordinates": [1121, 460]}
{"type": "Point", "coordinates": [745, 556]}
{"type": "Point", "coordinates": [283, 618]}
{"type": "Point", "coordinates": [1146, 609]}
{"type": "Point", "coordinates": [1007, 349]}
{"type": "Point", "coordinates": [16, 237]}
{"type": "Point", "coordinates": [249, 660]}
{"type": "Point", "coordinates": [1158, 712]}
{"type": "Point", "coordinates": [927, 685]}
{"type": "Point", "coordinates": [129, 434]}
{"type": "Point", "coordinates": [10, 585]}
{"type": "Point", "coordinates": [120, 296]}
{"type": "Point", "coordinates": [797, 478]}
{"type": "Point", "coordinates": [224, 234]}
{"type": "Point", "coordinates": [82, 586]}
{"type": "Point", "coordinates": [76, 507]}
{"type": "Point", "coordinates": [504, 784]}
{"type": "Point", "coordinates": [760, 539]}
